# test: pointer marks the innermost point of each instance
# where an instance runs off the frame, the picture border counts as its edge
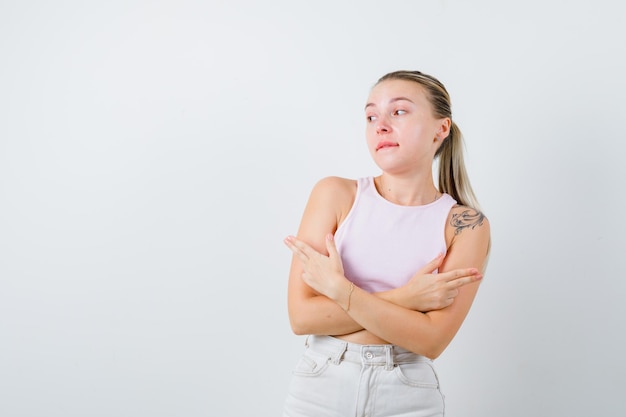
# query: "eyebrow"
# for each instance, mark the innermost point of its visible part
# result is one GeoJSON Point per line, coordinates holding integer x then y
{"type": "Point", "coordinates": [391, 101]}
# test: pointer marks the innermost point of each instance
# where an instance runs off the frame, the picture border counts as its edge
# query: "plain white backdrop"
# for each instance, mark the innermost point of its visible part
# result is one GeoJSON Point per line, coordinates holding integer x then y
{"type": "Point", "coordinates": [153, 155]}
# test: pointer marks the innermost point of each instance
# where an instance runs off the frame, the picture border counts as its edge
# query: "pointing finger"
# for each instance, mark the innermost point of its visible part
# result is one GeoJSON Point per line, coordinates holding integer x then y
{"type": "Point", "coordinates": [297, 247]}
{"type": "Point", "coordinates": [457, 283]}
{"type": "Point", "coordinates": [458, 274]}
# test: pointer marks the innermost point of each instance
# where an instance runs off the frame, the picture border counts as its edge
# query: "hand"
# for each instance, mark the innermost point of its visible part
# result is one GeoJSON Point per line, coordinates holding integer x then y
{"type": "Point", "coordinates": [322, 273]}
{"type": "Point", "coordinates": [428, 291]}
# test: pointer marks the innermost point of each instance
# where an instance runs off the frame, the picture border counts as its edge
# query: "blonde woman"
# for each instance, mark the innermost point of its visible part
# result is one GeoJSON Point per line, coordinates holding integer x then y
{"type": "Point", "coordinates": [385, 268]}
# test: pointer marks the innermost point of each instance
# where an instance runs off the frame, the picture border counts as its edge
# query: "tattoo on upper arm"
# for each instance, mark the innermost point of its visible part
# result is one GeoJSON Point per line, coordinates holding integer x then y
{"type": "Point", "coordinates": [466, 219]}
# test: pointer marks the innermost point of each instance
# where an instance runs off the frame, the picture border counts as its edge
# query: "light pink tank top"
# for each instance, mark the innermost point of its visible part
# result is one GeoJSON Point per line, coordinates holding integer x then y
{"type": "Point", "coordinates": [382, 244]}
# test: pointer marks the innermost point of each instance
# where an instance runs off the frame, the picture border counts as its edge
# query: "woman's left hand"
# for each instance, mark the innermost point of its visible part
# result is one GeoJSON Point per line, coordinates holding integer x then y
{"type": "Point", "coordinates": [322, 273]}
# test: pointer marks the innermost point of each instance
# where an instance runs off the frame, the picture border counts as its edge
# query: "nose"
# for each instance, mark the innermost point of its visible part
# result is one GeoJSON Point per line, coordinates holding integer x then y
{"type": "Point", "coordinates": [382, 126]}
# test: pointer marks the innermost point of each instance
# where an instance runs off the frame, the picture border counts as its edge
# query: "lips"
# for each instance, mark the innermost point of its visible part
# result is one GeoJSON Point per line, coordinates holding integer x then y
{"type": "Point", "coordinates": [386, 144]}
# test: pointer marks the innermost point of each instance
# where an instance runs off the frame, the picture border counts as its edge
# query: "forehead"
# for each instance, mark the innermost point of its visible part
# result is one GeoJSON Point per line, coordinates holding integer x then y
{"type": "Point", "coordinates": [390, 89]}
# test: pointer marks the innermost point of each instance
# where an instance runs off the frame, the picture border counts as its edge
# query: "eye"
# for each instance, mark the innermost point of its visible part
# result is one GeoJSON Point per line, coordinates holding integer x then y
{"type": "Point", "coordinates": [370, 118]}
{"type": "Point", "coordinates": [399, 112]}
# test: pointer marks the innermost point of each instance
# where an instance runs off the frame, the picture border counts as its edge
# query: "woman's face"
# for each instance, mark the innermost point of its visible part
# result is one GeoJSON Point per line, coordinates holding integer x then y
{"type": "Point", "coordinates": [402, 133]}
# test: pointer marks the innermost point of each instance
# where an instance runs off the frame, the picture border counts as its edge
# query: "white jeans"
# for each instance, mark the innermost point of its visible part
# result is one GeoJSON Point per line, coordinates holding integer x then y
{"type": "Point", "coordinates": [338, 379]}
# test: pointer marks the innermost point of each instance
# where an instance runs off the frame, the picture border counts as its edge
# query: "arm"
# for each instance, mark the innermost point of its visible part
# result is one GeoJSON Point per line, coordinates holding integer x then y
{"type": "Point", "coordinates": [424, 333]}
{"type": "Point", "coordinates": [309, 311]}
{"type": "Point", "coordinates": [427, 291]}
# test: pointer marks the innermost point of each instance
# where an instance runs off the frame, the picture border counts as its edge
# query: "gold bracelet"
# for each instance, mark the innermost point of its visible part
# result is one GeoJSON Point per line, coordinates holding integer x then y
{"type": "Point", "coordinates": [350, 295]}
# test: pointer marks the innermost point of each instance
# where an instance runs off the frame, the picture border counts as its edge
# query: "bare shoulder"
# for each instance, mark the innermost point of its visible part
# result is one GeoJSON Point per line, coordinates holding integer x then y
{"type": "Point", "coordinates": [336, 184]}
{"type": "Point", "coordinates": [462, 218]}
{"type": "Point", "coordinates": [468, 236]}
{"type": "Point", "coordinates": [339, 190]}
{"type": "Point", "coordinates": [466, 223]}
{"type": "Point", "coordinates": [331, 199]}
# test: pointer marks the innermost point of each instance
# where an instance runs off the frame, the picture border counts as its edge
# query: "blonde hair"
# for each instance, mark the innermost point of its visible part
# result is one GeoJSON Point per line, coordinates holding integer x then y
{"type": "Point", "coordinates": [453, 178]}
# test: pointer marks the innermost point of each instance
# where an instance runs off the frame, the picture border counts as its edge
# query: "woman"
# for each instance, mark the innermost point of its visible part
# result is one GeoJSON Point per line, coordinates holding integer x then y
{"type": "Point", "coordinates": [385, 268]}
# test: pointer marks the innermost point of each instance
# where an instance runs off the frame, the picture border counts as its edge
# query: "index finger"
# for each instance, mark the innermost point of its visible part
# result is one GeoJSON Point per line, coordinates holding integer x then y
{"type": "Point", "coordinates": [299, 245]}
{"type": "Point", "coordinates": [459, 282]}
{"type": "Point", "coordinates": [457, 274]}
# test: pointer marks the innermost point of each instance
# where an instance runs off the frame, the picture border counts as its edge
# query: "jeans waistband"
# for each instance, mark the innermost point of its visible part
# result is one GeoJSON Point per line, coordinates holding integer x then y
{"type": "Point", "coordinates": [377, 355]}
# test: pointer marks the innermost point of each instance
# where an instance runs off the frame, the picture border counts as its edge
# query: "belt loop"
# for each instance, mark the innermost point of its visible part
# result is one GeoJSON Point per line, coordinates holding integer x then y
{"type": "Point", "coordinates": [335, 360]}
{"type": "Point", "coordinates": [389, 358]}
{"type": "Point", "coordinates": [306, 341]}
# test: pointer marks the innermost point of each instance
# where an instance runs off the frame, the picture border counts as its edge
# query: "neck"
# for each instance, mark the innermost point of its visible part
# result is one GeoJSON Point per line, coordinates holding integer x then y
{"type": "Point", "coordinates": [407, 191]}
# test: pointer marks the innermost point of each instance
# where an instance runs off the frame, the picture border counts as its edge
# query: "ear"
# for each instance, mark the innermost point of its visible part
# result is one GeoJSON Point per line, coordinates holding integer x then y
{"type": "Point", "coordinates": [443, 129]}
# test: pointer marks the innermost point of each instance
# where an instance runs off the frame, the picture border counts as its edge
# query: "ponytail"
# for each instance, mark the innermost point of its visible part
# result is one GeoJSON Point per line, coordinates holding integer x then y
{"type": "Point", "coordinates": [453, 178]}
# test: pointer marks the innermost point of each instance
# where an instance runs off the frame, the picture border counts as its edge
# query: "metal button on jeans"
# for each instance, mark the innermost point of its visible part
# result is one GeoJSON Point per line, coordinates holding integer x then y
{"type": "Point", "coordinates": [369, 355]}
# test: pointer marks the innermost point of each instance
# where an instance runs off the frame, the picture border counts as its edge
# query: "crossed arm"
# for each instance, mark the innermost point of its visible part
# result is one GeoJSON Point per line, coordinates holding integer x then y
{"type": "Point", "coordinates": [420, 316]}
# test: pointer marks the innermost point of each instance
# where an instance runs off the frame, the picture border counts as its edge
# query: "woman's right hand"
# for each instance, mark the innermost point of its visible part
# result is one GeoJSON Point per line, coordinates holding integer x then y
{"type": "Point", "coordinates": [427, 291]}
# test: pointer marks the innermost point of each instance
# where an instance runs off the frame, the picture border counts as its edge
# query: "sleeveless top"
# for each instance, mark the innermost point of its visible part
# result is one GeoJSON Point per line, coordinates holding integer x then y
{"type": "Point", "coordinates": [382, 244]}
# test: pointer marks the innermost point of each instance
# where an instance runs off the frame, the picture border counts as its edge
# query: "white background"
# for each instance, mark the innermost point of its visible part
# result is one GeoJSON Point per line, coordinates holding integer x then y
{"type": "Point", "coordinates": [153, 155]}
